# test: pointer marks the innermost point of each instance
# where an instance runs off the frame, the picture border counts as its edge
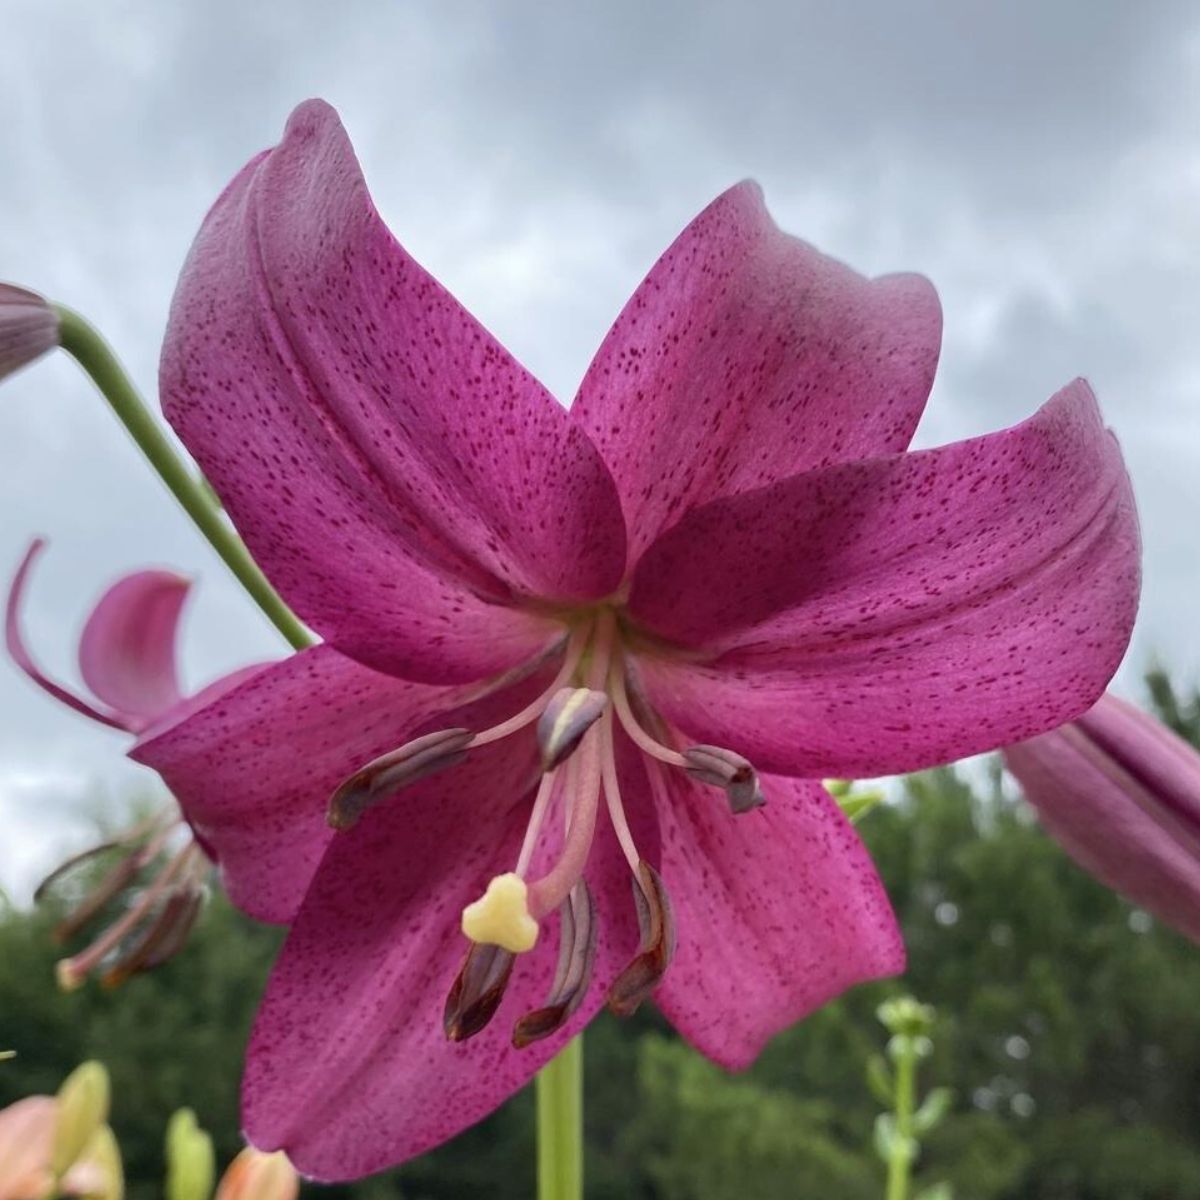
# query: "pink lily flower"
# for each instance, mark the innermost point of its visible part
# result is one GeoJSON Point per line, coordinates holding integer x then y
{"type": "Point", "coordinates": [721, 554]}
{"type": "Point", "coordinates": [127, 657]}
{"type": "Point", "coordinates": [1120, 792]}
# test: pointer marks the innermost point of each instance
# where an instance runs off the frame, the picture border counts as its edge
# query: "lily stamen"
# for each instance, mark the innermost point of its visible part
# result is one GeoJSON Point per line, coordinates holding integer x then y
{"type": "Point", "coordinates": [71, 972]}
{"type": "Point", "coordinates": [643, 740]}
{"type": "Point", "coordinates": [534, 709]}
{"type": "Point", "coordinates": [612, 794]}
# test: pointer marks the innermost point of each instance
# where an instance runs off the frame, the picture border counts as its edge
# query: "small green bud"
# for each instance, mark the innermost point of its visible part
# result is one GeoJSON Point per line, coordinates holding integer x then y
{"type": "Point", "coordinates": [105, 1174]}
{"type": "Point", "coordinates": [191, 1163]}
{"type": "Point", "coordinates": [82, 1110]}
{"type": "Point", "coordinates": [933, 1108]}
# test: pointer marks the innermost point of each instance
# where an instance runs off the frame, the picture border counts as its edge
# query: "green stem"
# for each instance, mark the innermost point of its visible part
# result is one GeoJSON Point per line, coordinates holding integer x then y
{"type": "Point", "coordinates": [900, 1161]}
{"type": "Point", "coordinates": [84, 343]}
{"type": "Point", "coordinates": [560, 1125]}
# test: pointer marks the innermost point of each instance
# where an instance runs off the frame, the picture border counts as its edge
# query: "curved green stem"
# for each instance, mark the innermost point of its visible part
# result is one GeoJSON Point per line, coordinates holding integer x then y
{"type": "Point", "coordinates": [82, 341]}
{"type": "Point", "coordinates": [560, 1125]}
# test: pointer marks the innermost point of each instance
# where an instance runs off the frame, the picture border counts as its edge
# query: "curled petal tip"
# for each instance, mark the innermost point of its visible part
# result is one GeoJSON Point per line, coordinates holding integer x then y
{"type": "Point", "coordinates": [29, 327]}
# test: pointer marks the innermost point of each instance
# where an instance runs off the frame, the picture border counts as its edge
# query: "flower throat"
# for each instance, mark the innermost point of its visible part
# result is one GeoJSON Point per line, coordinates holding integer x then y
{"type": "Point", "coordinates": [576, 717]}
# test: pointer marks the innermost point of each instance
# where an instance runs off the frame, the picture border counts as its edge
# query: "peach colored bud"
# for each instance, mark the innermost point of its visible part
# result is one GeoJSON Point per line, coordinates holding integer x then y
{"type": "Point", "coordinates": [257, 1176]}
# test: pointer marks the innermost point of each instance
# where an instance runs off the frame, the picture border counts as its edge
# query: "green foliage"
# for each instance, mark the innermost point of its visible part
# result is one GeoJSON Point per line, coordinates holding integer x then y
{"type": "Point", "coordinates": [1066, 1026]}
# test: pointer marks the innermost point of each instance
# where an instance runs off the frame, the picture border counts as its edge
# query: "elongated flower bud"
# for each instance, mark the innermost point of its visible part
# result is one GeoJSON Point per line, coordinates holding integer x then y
{"type": "Point", "coordinates": [191, 1166]}
{"type": "Point", "coordinates": [254, 1175]}
{"type": "Point", "coordinates": [82, 1110]}
{"type": "Point", "coordinates": [1121, 793]}
{"type": "Point", "coordinates": [28, 328]}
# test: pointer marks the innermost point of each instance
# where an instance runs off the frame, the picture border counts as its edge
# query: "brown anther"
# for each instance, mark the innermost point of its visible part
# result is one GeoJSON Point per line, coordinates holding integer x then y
{"type": "Point", "coordinates": [569, 715]}
{"type": "Point", "coordinates": [160, 938]}
{"type": "Point", "coordinates": [657, 924]}
{"type": "Point", "coordinates": [576, 953]}
{"type": "Point", "coordinates": [731, 772]}
{"type": "Point", "coordinates": [477, 991]}
{"type": "Point", "coordinates": [418, 759]}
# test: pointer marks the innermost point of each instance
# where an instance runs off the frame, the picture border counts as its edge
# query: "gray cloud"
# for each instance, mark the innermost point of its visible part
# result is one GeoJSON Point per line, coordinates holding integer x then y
{"type": "Point", "coordinates": [1039, 162]}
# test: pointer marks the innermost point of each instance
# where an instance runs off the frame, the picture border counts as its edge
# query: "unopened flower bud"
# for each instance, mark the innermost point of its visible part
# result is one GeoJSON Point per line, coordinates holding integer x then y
{"type": "Point", "coordinates": [254, 1175]}
{"type": "Point", "coordinates": [82, 1110]}
{"type": "Point", "coordinates": [28, 328]}
{"type": "Point", "coordinates": [98, 1175]}
{"type": "Point", "coordinates": [191, 1164]}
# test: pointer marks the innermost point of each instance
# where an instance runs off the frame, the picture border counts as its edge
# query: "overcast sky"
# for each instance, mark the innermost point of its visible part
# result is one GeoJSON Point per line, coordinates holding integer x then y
{"type": "Point", "coordinates": [1039, 162]}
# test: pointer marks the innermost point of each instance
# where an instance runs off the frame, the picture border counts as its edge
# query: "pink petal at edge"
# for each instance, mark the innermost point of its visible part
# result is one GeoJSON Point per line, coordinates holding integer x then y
{"type": "Point", "coordinates": [349, 1070]}
{"type": "Point", "coordinates": [401, 479]}
{"type": "Point", "coordinates": [1116, 825]}
{"type": "Point", "coordinates": [746, 356]}
{"type": "Point", "coordinates": [127, 651]}
{"type": "Point", "coordinates": [19, 652]}
{"type": "Point", "coordinates": [26, 1143]}
{"type": "Point", "coordinates": [778, 911]}
{"type": "Point", "coordinates": [254, 770]}
{"type": "Point", "coordinates": [888, 615]}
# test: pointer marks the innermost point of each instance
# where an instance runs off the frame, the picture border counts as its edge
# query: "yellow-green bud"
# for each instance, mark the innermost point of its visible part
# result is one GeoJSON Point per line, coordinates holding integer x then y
{"type": "Point", "coordinates": [82, 1110]}
{"type": "Point", "coordinates": [191, 1164]}
{"type": "Point", "coordinates": [102, 1159]}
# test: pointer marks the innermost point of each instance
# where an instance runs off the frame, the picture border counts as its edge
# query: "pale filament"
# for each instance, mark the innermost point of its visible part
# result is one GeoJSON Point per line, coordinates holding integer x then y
{"type": "Point", "coordinates": [533, 710]}
{"type": "Point", "coordinates": [584, 787]}
{"type": "Point", "coordinates": [540, 804]}
{"type": "Point", "coordinates": [620, 699]}
{"type": "Point", "coordinates": [612, 793]}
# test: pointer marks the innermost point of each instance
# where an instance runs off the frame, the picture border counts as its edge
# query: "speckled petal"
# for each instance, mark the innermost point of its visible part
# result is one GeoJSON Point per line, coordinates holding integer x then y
{"type": "Point", "coordinates": [891, 614]}
{"type": "Point", "coordinates": [401, 479]}
{"type": "Point", "coordinates": [1121, 794]}
{"type": "Point", "coordinates": [349, 1070]}
{"type": "Point", "coordinates": [746, 356]}
{"type": "Point", "coordinates": [777, 911]}
{"type": "Point", "coordinates": [127, 651]}
{"type": "Point", "coordinates": [253, 771]}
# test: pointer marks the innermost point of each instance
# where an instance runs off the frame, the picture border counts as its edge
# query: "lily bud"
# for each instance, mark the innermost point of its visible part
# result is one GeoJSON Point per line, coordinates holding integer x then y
{"type": "Point", "coordinates": [28, 328]}
{"type": "Point", "coordinates": [82, 1110]}
{"type": "Point", "coordinates": [99, 1174]}
{"type": "Point", "coordinates": [191, 1164]}
{"type": "Point", "coordinates": [1121, 794]}
{"type": "Point", "coordinates": [254, 1175]}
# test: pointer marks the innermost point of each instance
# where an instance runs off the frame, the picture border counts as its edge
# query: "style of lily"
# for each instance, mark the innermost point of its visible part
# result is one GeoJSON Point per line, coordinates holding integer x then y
{"type": "Point", "coordinates": [127, 657]}
{"type": "Point", "coordinates": [556, 640]}
{"type": "Point", "coordinates": [1120, 792]}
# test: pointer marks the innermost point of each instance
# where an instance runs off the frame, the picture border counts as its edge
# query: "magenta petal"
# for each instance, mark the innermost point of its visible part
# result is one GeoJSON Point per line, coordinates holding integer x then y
{"type": "Point", "coordinates": [401, 479]}
{"type": "Point", "coordinates": [19, 652]}
{"type": "Point", "coordinates": [746, 356]}
{"type": "Point", "coordinates": [1121, 793]}
{"type": "Point", "coordinates": [778, 911]}
{"type": "Point", "coordinates": [127, 651]}
{"type": "Point", "coordinates": [887, 615]}
{"type": "Point", "coordinates": [349, 1070]}
{"type": "Point", "coordinates": [253, 770]}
